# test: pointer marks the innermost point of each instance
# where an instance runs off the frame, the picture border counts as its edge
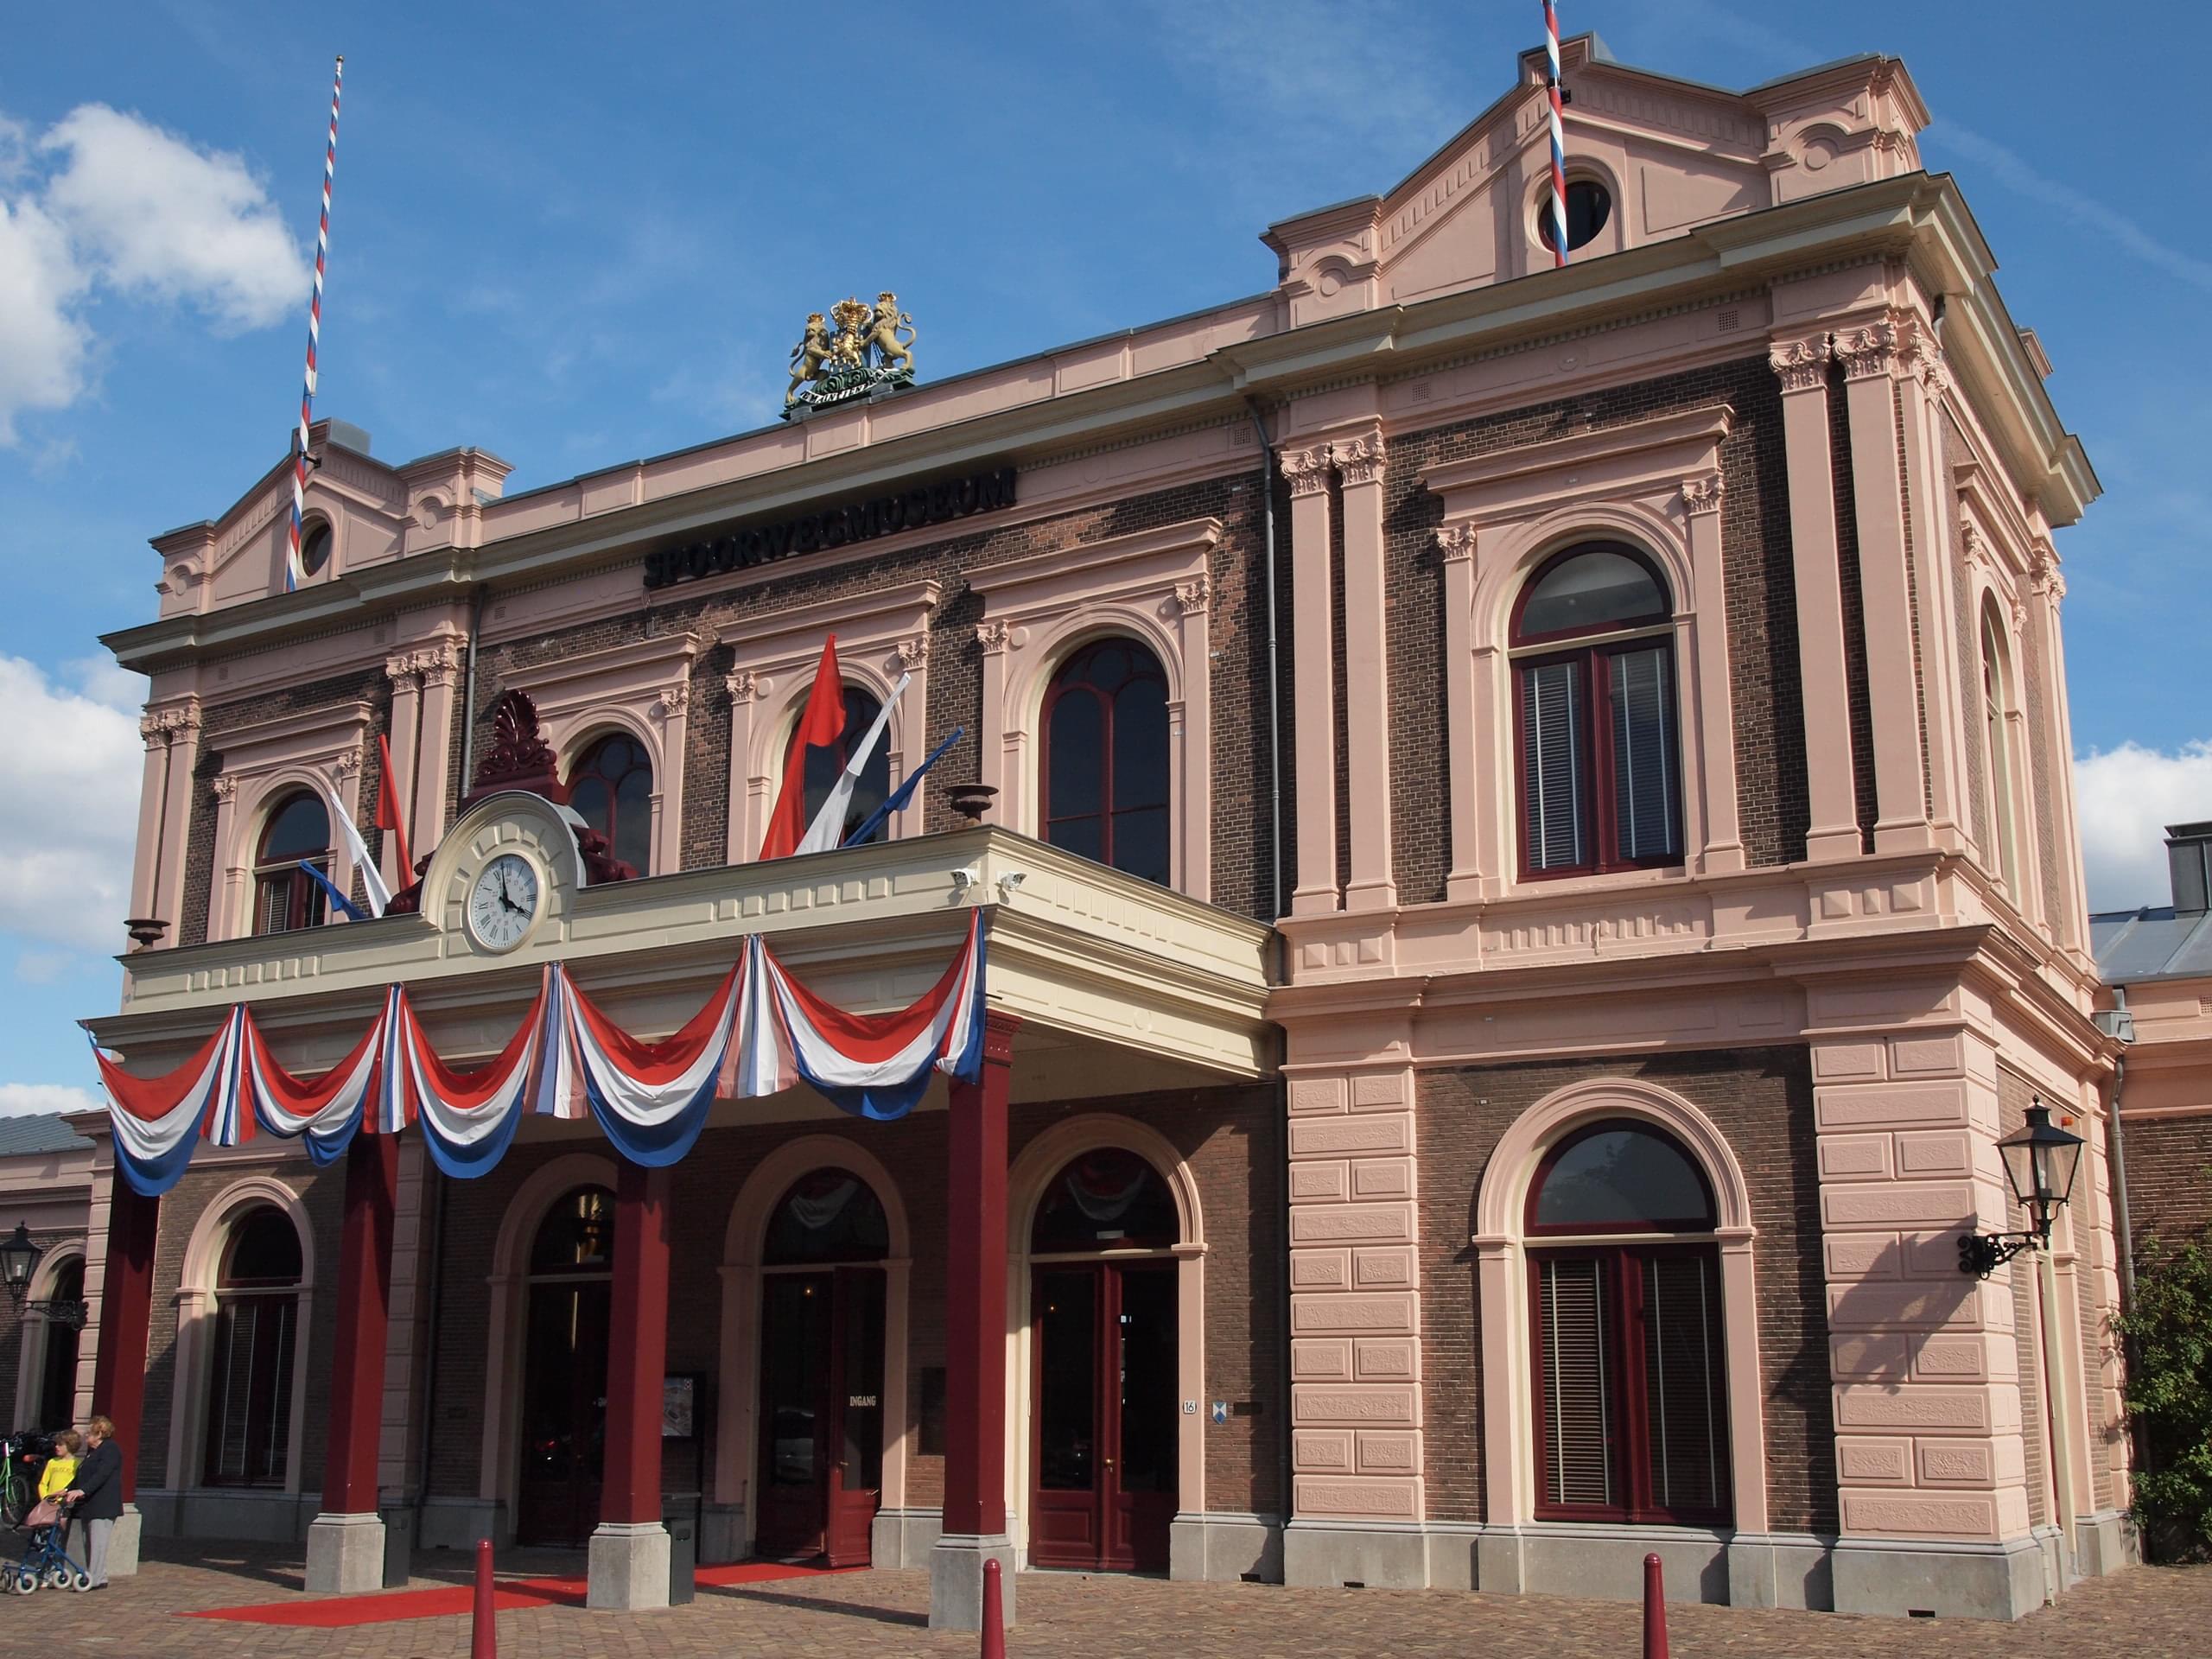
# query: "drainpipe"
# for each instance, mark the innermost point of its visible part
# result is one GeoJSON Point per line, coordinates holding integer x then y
{"type": "Point", "coordinates": [2116, 1154]}
{"type": "Point", "coordinates": [1274, 681]}
{"type": "Point", "coordinates": [468, 695]}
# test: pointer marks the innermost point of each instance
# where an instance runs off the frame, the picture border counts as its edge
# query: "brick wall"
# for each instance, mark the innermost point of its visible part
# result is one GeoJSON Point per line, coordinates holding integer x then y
{"type": "Point", "coordinates": [1761, 1099]}
{"type": "Point", "coordinates": [1227, 1135]}
{"type": "Point", "coordinates": [2169, 1178]}
{"type": "Point", "coordinates": [1237, 637]}
{"type": "Point", "coordinates": [1760, 600]}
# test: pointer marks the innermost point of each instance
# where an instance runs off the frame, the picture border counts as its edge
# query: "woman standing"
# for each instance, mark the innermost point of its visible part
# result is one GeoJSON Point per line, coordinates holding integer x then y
{"type": "Point", "coordinates": [98, 1495]}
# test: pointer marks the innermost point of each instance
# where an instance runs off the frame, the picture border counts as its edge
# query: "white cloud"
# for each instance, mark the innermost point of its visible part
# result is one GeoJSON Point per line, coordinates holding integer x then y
{"type": "Point", "coordinates": [69, 777]}
{"type": "Point", "coordinates": [125, 206]}
{"type": "Point", "coordinates": [2125, 798]}
{"type": "Point", "coordinates": [161, 217]}
{"type": "Point", "coordinates": [42, 344]}
{"type": "Point", "coordinates": [29, 1099]}
{"type": "Point", "coordinates": [104, 680]}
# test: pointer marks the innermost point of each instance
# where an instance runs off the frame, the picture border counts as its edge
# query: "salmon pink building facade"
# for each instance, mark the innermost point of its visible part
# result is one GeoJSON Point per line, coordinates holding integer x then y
{"type": "Point", "coordinates": [1530, 863]}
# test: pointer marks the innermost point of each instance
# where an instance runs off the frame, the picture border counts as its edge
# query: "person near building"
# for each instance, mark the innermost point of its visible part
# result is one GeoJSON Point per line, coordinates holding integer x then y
{"type": "Point", "coordinates": [99, 1495]}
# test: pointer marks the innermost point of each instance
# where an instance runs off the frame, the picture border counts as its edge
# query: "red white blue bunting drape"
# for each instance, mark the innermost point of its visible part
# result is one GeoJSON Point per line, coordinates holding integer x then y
{"type": "Point", "coordinates": [760, 1032]}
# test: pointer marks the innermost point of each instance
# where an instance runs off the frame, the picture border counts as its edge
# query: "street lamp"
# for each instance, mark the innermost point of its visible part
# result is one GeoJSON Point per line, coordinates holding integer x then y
{"type": "Point", "coordinates": [2040, 1162]}
{"type": "Point", "coordinates": [19, 1255]}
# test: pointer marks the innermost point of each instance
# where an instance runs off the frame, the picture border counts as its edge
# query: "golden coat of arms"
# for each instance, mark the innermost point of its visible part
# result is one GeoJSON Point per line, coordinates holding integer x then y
{"type": "Point", "coordinates": [854, 351]}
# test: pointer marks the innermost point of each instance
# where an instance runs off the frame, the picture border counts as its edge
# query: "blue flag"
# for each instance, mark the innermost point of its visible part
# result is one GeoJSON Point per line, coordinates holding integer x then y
{"type": "Point", "coordinates": [352, 910]}
{"type": "Point", "coordinates": [897, 800]}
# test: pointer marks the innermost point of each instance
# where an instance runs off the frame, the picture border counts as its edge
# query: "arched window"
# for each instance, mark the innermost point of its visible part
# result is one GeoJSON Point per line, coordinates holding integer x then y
{"type": "Point", "coordinates": [1997, 749]}
{"type": "Point", "coordinates": [1109, 1199]}
{"type": "Point", "coordinates": [255, 1333]}
{"type": "Point", "coordinates": [1105, 757]}
{"type": "Point", "coordinates": [1599, 758]}
{"type": "Point", "coordinates": [284, 895]}
{"type": "Point", "coordinates": [1630, 1348]}
{"type": "Point", "coordinates": [1589, 204]}
{"type": "Point", "coordinates": [823, 766]}
{"type": "Point", "coordinates": [831, 1215]}
{"type": "Point", "coordinates": [610, 788]}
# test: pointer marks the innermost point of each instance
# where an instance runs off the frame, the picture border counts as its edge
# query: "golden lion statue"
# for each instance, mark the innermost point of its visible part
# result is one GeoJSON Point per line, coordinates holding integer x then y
{"type": "Point", "coordinates": [883, 332]}
{"type": "Point", "coordinates": [810, 354]}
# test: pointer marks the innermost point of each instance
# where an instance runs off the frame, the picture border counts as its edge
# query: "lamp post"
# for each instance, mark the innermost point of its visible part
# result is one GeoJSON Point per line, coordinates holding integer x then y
{"type": "Point", "coordinates": [19, 1256]}
{"type": "Point", "coordinates": [2040, 1162]}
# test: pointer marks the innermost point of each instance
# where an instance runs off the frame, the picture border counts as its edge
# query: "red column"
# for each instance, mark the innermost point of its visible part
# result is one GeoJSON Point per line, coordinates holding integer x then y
{"type": "Point", "coordinates": [975, 1293]}
{"type": "Point", "coordinates": [126, 1302]}
{"type": "Point", "coordinates": [349, 1478]}
{"type": "Point", "coordinates": [638, 1348]}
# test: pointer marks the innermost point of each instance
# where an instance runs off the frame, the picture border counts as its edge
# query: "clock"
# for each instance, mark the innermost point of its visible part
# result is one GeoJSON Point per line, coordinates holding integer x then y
{"type": "Point", "coordinates": [503, 902]}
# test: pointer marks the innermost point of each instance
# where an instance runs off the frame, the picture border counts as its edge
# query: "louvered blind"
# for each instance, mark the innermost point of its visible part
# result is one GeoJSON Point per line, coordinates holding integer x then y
{"type": "Point", "coordinates": [1645, 746]}
{"type": "Point", "coordinates": [1557, 817]}
{"type": "Point", "coordinates": [1685, 1416]}
{"type": "Point", "coordinates": [1578, 1462]}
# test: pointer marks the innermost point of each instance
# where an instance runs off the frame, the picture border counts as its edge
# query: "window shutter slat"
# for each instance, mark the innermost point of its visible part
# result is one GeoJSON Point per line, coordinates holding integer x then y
{"type": "Point", "coordinates": [1578, 1466]}
{"type": "Point", "coordinates": [1555, 812]}
{"type": "Point", "coordinates": [1644, 807]}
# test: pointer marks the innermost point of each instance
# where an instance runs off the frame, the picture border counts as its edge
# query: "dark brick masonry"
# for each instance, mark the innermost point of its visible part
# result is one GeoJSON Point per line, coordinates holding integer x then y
{"type": "Point", "coordinates": [1761, 1099]}
{"type": "Point", "coordinates": [1772, 792]}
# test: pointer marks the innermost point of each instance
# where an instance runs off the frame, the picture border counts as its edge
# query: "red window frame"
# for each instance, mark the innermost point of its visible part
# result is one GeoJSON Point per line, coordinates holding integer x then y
{"type": "Point", "coordinates": [1066, 683]}
{"type": "Point", "coordinates": [1594, 759]}
{"type": "Point", "coordinates": [590, 764]}
{"type": "Point", "coordinates": [1622, 1308]}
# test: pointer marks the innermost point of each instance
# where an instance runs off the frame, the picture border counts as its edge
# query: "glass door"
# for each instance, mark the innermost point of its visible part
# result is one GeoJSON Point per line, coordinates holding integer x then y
{"type": "Point", "coordinates": [820, 1414]}
{"type": "Point", "coordinates": [563, 1412]}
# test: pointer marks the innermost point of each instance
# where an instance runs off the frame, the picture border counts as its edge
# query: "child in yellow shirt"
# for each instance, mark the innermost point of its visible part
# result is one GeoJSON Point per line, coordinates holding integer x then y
{"type": "Point", "coordinates": [61, 1469]}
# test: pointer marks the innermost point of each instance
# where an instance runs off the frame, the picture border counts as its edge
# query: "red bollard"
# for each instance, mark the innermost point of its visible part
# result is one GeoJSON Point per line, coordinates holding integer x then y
{"type": "Point", "coordinates": [994, 1613]}
{"type": "Point", "coordinates": [1655, 1611]}
{"type": "Point", "coordinates": [483, 1629]}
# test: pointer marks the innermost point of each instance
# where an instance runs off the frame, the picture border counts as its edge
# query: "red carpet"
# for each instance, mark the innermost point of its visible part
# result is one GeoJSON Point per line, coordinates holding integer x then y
{"type": "Point", "coordinates": [449, 1601]}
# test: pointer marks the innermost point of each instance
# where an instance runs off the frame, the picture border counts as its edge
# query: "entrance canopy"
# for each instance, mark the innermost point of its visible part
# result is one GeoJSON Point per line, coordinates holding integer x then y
{"type": "Point", "coordinates": [1122, 985]}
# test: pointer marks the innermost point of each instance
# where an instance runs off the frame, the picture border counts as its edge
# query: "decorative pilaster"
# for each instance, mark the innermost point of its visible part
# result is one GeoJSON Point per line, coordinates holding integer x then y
{"type": "Point", "coordinates": [225, 891]}
{"type": "Point", "coordinates": [1724, 845]}
{"type": "Point", "coordinates": [1313, 685]}
{"type": "Point", "coordinates": [1928, 492]}
{"type": "Point", "coordinates": [993, 765]}
{"type": "Point", "coordinates": [671, 704]}
{"type": "Point", "coordinates": [1802, 365]}
{"type": "Point", "coordinates": [438, 666]}
{"type": "Point", "coordinates": [171, 734]}
{"type": "Point", "coordinates": [745, 690]}
{"type": "Point", "coordinates": [404, 669]}
{"type": "Point", "coordinates": [1367, 673]}
{"type": "Point", "coordinates": [1355, 1328]}
{"type": "Point", "coordinates": [1470, 747]}
{"type": "Point", "coordinates": [2068, 907]}
{"type": "Point", "coordinates": [1874, 356]}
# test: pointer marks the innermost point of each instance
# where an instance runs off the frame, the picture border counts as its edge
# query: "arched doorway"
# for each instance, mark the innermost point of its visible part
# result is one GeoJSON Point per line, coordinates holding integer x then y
{"type": "Point", "coordinates": [1103, 1303]}
{"type": "Point", "coordinates": [248, 1441]}
{"type": "Point", "coordinates": [565, 1370]}
{"type": "Point", "coordinates": [56, 1402]}
{"type": "Point", "coordinates": [821, 1416]}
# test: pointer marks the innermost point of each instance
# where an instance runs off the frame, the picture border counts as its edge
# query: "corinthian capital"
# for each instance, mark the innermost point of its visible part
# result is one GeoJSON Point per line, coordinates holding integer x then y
{"type": "Point", "coordinates": [992, 637]}
{"type": "Point", "coordinates": [1456, 543]}
{"type": "Point", "coordinates": [1701, 495]}
{"type": "Point", "coordinates": [225, 788]}
{"type": "Point", "coordinates": [1360, 460]}
{"type": "Point", "coordinates": [1801, 364]}
{"type": "Point", "coordinates": [1872, 348]}
{"type": "Point", "coordinates": [1306, 470]}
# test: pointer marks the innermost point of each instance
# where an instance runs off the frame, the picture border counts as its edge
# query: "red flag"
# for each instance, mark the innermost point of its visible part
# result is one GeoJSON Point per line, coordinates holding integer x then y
{"type": "Point", "coordinates": [388, 810]}
{"type": "Point", "coordinates": [821, 725]}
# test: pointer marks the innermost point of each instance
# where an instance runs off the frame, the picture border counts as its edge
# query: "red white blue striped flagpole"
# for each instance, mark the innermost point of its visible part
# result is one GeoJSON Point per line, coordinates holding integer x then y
{"type": "Point", "coordinates": [1559, 139]}
{"type": "Point", "coordinates": [293, 575]}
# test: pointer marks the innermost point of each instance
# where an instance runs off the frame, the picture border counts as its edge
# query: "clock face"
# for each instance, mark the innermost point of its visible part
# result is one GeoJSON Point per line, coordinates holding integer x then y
{"type": "Point", "coordinates": [502, 903]}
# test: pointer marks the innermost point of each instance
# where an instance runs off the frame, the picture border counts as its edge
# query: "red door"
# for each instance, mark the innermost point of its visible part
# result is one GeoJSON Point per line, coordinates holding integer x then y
{"type": "Point", "coordinates": [1103, 1488]}
{"type": "Point", "coordinates": [820, 1414]}
{"type": "Point", "coordinates": [563, 1412]}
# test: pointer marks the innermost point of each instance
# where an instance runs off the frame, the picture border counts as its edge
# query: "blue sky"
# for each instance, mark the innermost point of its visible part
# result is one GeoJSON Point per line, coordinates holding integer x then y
{"type": "Point", "coordinates": [579, 234]}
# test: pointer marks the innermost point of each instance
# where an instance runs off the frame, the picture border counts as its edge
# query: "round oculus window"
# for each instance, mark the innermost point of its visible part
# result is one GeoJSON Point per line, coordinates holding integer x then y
{"type": "Point", "coordinates": [1589, 204]}
{"type": "Point", "coordinates": [315, 548]}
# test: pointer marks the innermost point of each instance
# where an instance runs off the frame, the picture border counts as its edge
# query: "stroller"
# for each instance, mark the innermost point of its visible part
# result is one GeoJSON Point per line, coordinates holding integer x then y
{"type": "Point", "coordinates": [45, 1561]}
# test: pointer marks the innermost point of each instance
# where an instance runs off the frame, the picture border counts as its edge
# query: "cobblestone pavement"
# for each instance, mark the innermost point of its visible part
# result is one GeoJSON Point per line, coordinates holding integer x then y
{"type": "Point", "coordinates": [2147, 1614]}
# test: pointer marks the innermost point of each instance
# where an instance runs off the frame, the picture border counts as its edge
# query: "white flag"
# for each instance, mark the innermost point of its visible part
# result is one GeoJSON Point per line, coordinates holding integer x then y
{"type": "Point", "coordinates": [371, 878]}
{"type": "Point", "coordinates": [828, 830]}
